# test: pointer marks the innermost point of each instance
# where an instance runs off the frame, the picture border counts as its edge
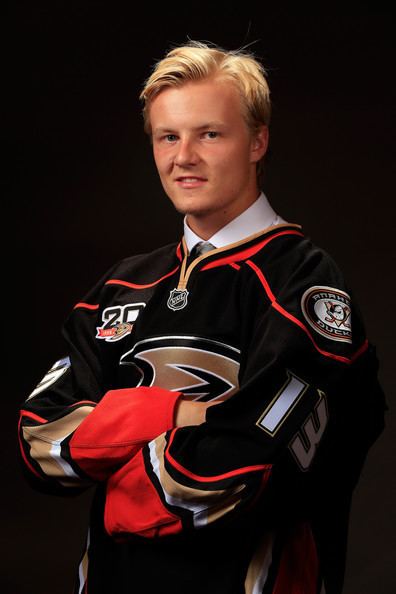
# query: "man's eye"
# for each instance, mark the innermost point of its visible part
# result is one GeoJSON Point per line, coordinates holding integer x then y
{"type": "Point", "coordinates": [212, 134]}
{"type": "Point", "coordinates": [170, 137]}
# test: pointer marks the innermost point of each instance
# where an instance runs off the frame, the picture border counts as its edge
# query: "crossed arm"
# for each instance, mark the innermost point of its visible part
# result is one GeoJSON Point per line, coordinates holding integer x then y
{"type": "Point", "coordinates": [191, 413]}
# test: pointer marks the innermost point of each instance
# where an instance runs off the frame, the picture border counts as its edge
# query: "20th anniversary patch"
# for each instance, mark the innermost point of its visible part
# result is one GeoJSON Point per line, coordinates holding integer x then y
{"type": "Point", "coordinates": [328, 311]}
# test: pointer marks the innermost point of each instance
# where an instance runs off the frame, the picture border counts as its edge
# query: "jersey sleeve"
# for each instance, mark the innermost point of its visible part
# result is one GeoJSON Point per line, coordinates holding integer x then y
{"type": "Point", "coordinates": [73, 429]}
{"type": "Point", "coordinates": [308, 408]}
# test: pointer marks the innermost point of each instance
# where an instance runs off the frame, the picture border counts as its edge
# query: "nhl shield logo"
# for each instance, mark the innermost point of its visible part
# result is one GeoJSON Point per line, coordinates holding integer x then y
{"type": "Point", "coordinates": [177, 299]}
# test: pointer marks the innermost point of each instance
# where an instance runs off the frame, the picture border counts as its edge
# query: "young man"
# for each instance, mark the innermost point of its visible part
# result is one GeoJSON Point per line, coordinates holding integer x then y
{"type": "Point", "coordinates": [220, 391]}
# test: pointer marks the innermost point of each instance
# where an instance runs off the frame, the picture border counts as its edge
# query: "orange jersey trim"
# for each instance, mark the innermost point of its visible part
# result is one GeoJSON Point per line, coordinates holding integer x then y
{"type": "Point", "coordinates": [116, 281]}
{"type": "Point", "coordinates": [86, 305]}
{"type": "Point", "coordinates": [211, 479]}
{"type": "Point", "coordinates": [248, 252]}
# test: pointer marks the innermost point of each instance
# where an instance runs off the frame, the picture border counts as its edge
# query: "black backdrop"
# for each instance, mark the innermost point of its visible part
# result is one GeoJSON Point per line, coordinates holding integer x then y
{"type": "Point", "coordinates": [85, 193]}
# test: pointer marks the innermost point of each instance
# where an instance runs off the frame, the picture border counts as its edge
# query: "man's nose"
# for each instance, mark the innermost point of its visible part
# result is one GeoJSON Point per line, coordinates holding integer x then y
{"type": "Point", "coordinates": [186, 153]}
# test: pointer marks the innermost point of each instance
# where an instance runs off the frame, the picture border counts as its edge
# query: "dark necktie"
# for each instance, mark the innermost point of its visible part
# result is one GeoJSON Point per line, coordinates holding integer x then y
{"type": "Point", "coordinates": [200, 248]}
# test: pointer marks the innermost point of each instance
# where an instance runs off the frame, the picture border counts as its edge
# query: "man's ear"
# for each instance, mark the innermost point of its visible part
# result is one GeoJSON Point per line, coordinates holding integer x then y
{"type": "Point", "coordinates": [259, 144]}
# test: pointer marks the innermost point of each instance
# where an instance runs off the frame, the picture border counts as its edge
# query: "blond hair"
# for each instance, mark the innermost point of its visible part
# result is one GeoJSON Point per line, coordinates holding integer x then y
{"type": "Point", "coordinates": [197, 61]}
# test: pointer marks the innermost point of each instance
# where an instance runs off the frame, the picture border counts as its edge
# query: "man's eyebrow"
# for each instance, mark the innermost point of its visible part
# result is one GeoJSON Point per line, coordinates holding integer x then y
{"type": "Point", "coordinates": [161, 130]}
{"type": "Point", "coordinates": [206, 126]}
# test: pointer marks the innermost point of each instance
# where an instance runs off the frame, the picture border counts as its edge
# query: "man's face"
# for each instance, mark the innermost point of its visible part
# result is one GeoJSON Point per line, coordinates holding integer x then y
{"type": "Point", "coordinates": [204, 152]}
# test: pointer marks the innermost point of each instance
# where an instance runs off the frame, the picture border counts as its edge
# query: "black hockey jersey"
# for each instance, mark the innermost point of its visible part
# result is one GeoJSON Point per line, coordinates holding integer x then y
{"type": "Point", "coordinates": [254, 500]}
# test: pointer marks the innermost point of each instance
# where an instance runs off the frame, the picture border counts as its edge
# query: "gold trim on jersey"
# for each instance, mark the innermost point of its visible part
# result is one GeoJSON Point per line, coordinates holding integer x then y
{"type": "Point", "coordinates": [45, 445]}
{"type": "Point", "coordinates": [206, 506]}
{"type": "Point", "coordinates": [185, 270]}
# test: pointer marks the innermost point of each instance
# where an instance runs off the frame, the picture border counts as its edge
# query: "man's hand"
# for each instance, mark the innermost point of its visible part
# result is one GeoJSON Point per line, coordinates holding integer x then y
{"type": "Point", "coordinates": [191, 413]}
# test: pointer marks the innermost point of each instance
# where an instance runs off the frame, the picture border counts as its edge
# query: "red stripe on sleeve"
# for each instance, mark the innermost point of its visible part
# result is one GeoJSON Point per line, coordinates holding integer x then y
{"type": "Point", "coordinates": [296, 321]}
{"type": "Point", "coordinates": [81, 403]}
{"type": "Point", "coordinates": [116, 281]}
{"type": "Point", "coordinates": [360, 351]}
{"type": "Point", "coordinates": [211, 479]}
{"type": "Point", "coordinates": [27, 413]}
{"type": "Point", "coordinates": [86, 305]}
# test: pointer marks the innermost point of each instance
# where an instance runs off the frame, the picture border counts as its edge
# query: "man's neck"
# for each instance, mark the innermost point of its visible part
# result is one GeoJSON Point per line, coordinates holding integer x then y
{"type": "Point", "coordinates": [205, 225]}
{"type": "Point", "coordinates": [258, 217]}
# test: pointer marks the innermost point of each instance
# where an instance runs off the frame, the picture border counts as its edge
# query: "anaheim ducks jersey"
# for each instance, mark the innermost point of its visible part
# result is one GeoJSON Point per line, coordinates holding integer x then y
{"type": "Point", "coordinates": [254, 500]}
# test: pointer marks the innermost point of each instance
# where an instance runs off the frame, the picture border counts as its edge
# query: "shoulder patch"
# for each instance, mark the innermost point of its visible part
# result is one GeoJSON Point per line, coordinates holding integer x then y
{"type": "Point", "coordinates": [328, 311]}
{"type": "Point", "coordinates": [118, 321]}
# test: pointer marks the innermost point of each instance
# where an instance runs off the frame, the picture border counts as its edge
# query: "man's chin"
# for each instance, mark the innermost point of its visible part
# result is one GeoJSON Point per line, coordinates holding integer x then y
{"type": "Point", "coordinates": [197, 213]}
{"type": "Point", "coordinates": [187, 207]}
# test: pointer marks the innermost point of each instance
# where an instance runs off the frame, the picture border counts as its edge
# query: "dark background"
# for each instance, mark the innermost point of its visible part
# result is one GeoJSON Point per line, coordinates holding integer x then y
{"type": "Point", "coordinates": [84, 193]}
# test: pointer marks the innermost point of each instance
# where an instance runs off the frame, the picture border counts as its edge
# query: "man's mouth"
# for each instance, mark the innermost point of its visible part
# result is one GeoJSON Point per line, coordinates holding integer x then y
{"type": "Point", "coordinates": [190, 181]}
{"type": "Point", "coordinates": [190, 178]}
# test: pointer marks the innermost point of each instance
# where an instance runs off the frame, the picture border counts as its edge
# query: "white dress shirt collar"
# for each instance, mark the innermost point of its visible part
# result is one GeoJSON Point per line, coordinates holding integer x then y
{"type": "Point", "coordinates": [257, 217]}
